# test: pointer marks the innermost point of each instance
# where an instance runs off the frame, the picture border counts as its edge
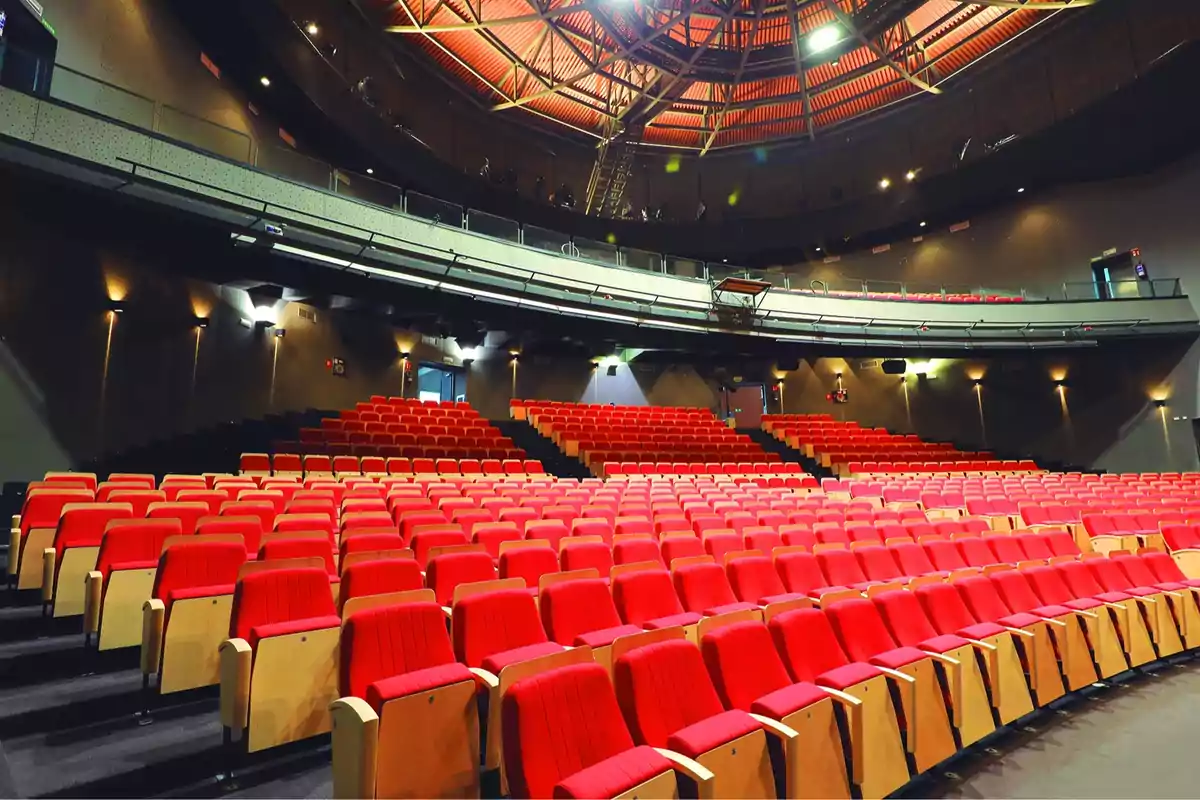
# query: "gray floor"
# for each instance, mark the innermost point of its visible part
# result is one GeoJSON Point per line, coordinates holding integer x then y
{"type": "Point", "coordinates": [1137, 739]}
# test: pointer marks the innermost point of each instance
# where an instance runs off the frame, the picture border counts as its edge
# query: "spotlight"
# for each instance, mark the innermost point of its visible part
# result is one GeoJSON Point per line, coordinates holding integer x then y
{"type": "Point", "coordinates": [311, 29]}
{"type": "Point", "coordinates": [200, 322]}
{"type": "Point", "coordinates": [818, 249]}
{"type": "Point", "coordinates": [824, 38]}
{"type": "Point", "coordinates": [370, 171]}
{"type": "Point", "coordinates": [469, 354]}
{"type": "Point", "coordinates": [265, 81]}
{"type": "Point", "coordinates": [280, 332]}
{"type": "Point", "coordinates": [1021, 190]}
{"type": "Point", "coordinates": [922, 224]}
{"type": "Point", "coordinates": [116, 306]}
{"type": "Point", "coordinates": [885, 183]}
{"type": "Point", "coordinates": [910, 176]}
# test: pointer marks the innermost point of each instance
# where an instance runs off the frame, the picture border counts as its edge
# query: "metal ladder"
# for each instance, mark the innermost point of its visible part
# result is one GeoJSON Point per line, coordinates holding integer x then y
{"type": "Point", "coordinates": [611, 171]}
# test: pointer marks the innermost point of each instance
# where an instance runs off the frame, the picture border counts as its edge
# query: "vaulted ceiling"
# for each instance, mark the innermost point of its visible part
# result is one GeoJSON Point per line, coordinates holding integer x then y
{"type": "Point", "coordinates": [707, 74]}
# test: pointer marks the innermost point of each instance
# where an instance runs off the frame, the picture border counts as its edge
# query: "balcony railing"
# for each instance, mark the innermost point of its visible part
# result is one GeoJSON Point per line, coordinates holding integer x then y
{"type": "Point", "coordinates": [104, 99]}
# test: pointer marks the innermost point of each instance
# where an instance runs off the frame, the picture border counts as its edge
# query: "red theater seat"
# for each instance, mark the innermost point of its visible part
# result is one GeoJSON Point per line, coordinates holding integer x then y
{"type": "Point", "coordinates": [647, 598]}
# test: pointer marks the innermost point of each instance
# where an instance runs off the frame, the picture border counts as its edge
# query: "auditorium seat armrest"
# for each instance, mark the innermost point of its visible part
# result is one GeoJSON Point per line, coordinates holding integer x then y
{"type": "Point", "coordinates": [93, 586]}
{"type": "Point", "coordinates": [355, 747]}
{"type": "Point", "coordinates": [853, 708]}
{"type": "Point", "coordinates": [236, 659]}
{"type": "Point", "coordinates": [14, 546]}
{"type": "Point", "coordinates": [486, 678]}
{"type": "Point", "coordinates": [1089, 614]}
{"type": "Point", "coordinates": [694, 770]}
{"type": "Point", "coordinates": [1025, 633]}
{"type": "Point", "coordinates": [945, 659]}
{"type": "Point", "coordinates": [154, 615]}
{"type": "Point", "coordinates": [776, 728]}
{"type": "Point", "coordinates": [906, 685]}
{"type": "Point", "coordinates": [48, 560]}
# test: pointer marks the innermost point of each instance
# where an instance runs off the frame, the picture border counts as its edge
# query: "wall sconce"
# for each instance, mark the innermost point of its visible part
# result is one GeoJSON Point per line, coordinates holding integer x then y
{"type": "Point", "coordinates": [116, 306]}
{"type": "Point", "coordinates": [200, 322]}
{"type": "Point", "coordinates": [279, 333]}
{"type": "Point", "coordinates": [263, 324]}
{"type": "Point", "coordinates": [1160, 402]}
{"type": "Point", "coordinates": [404, 355]}
{"type": "Point", "coordinates": [978, 383]}
{"type": "Point", "coordinates": [838, 375]}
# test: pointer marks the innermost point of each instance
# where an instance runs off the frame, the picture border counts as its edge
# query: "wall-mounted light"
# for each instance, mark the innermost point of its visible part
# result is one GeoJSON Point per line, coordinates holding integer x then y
{"type": "Point", "coordinates": [200, 322]}
{"type": "Point", "coordinates": [265, 81]}
{"type": "Point", "coordinates": [404, 354]}
{"type": "Point", "coordinates": [263, 324]}
{"type": "Point", "coordinates": [116, 306]}
{"type": "Point", "coordinates": [885, 183]}
{"type": "Point", "coordinates": [1160, 403]}
{"type": "Point", "coordinates": [978, 382]}
{"type": "Point", "coordinates": [910, 176]}
{"type": "Point", "coordinates": [280, 332]}
{"type": "Point", "coordinates": [311, 28]}
{"type": "Point", "coordinates": [838, 375]}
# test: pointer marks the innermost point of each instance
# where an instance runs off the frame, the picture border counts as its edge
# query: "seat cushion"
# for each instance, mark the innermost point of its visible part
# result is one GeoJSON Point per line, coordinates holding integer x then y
{"type": "Point", "coordinates": [700, 737]}
{"type": "Point", "coordinates": [790, 699]}
{"type": "Point", "coordinates": [848, 675]}
{"type": "Point", "coordinates": [981, 630]}
{"type": "Point", "coordinates": [1142, 591]}
{"type": "Point", "coordinates": [605, 636]}
{"type": "Point", "coordinates": [674, 620]}
{"type": "Point", "coordinates": [260, 632]}
{"type": "Point", "coordinates": [1021, 620]}
{"type": "Point", "coordinates": [420, 680]}
{"type": "Point", "coordinates": [1113, 597]}
{"type": "Point", "coordinates": [615, 775]}
{"type": "Point", "coordinates": [498, 661]}
{"type": "Point", "coordinates": [899, 657]}
{"type": "Point", "coordinates": [1171, 586]}
{"type": "Point", "coordinates": [943, 644]}
{"type": "Point", "coordinates": [728, 607]}
{"type": "Point", "coordinates": [1051, 611]}
{"type": "Point", "coordinates": [1083, 604]}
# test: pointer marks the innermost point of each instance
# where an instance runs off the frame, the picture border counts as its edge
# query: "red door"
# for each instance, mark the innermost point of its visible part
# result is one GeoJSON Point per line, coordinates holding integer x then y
{"type": "Point", "coordinates": [745, 403]}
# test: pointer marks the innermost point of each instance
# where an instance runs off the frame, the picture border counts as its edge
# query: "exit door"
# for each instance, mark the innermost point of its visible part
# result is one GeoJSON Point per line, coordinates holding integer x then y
{"type": "Point", "coordinates": [746, 404]}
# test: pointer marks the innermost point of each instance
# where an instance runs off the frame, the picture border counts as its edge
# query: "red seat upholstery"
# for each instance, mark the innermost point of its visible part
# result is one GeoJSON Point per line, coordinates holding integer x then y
{"type": "Point", "coordinates": [647, 598]}
{"type": "Point", "coordinates": [755, 580]}
{"type": "Point", "coordinates": [133, 544]}
{"type": "Point", "coordinates": [801, 573]}
{"type": "Point", "coordinates": [382, 576]}
{"type": "Point", "coordinates": [582, 612]}
{"type": "Point", "coordinates": [841, 568]}
{"type": "Point", "coordinates": [669, 700]}
{"type": "Point", "coordinates": [197, 565]}
{"type": "Point", "coordinates": [556, 746]}
{"type": "Point", "coordinates": [84, 525]}
{"type": "Point", "coordinates": [393, 651]}
{"type": "Point", "coordinates": [278, 549]}
{"type": "Point", "coordinates": [750, 676]}
{"type": "Point", "coordinates": [865, 637]}
{"type": "Point", "coordinates": [674, 547]}
{"type": "Point", "coordinates": [948, 614]}
{"type": "Point", "coordinates": [281, 601]}
{"type": "Point", "coordinates": [450, 570]}
{"type": "Point", "coordinates": [586, 555]}
{"type": "Point", "coordinates": [495, 629]}
{"type": "Point", "coordinates": [637, 550]}
{"type": "Point", "coordinates": [529, 564]}
{"type": "Point", "coordinates": [877, 564]}
{"type": "Point", "coordinates": [704, 589]}
{"type": "Point", "coordinates": [188, 514]}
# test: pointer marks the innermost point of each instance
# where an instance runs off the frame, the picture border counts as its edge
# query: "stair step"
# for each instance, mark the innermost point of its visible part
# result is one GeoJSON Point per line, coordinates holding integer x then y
{"type": "Point", "coordinates": [542, 449]}
{"type": "Point", "coordinates": [772, 445]}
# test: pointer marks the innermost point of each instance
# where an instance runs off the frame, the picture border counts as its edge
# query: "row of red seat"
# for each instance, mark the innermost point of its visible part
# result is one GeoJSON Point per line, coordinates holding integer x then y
{"type": "Point", "coordinates": [292, 464]}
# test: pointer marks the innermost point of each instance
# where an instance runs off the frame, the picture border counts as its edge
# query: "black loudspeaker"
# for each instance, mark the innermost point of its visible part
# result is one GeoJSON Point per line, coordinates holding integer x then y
{"type": "Point", "coordinates": [894, 366]}
{"type": "Point", "coordinates": [612, 370]}
{"type": "Point", "coordinates": [789, 366]}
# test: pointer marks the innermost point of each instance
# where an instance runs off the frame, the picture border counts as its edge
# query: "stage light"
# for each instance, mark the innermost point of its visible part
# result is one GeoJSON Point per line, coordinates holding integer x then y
{"type": "Point", "coordinates": [910, 176]}
{"type": "Point", "coordinates": [922, 224]}
{"type": "Point", "coordinates": [1021, 190]}
{"type": "Point", "coordinates": [312, 29]}
{"type": "Point", "coordinates": [885, 183]}
{"type": "Point", "coordinates": [818, 249]}
{"type": "Point", "coordinates": [824, 38]}
{"type": "Point", "coordinates": [265, 81]}
{"type": "Point", "coordinates": [370, 171]}
{"type": "Point", "coordinates": [470, 353]}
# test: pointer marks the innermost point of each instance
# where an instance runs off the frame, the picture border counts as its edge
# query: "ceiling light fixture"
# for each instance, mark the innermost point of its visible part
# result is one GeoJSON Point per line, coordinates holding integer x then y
{"type": "Point", "coordinates": [885, 183]}
{"type": "Point", "coordinates": [1021, 190]}
{"type": "Point", "coordinates": [922, 224]}
{"type": "Point", "coordinates": [312, 29]}
{"type": "Point", "coordinates": [824, 38]}
{"type": "Point", "coordinates": [370, 171]}
{"type": "Point", "coordinates": [264, 80]}
{"type": "Point", "coordinates": [910, 176]}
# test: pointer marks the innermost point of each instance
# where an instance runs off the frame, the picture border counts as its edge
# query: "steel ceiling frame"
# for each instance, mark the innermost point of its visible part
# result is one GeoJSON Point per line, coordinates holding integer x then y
{"type": "Point", "coordinates": [633, 60]}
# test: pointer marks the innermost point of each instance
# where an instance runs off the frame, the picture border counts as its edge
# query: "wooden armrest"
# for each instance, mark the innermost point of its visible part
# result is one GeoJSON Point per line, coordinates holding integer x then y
{"type": "Point", "coordinates": [448, 612]}
{"type": "Point", "coordinates": [1021, 632]}
{"type": "Point", "coordinates": [1147, 599]}
{"type": "Point", "coordinates": [1057, 622]}
{"type": "Point", "coordinates": [852, 707]}
{"type": "Point", "coordinates": [236, 660]}
{"type": "Point", "coordinates": [14, 547]}
{"type": "Point", "coordinates": [982, 645]}
{"type": "Point", "coordinates": [942, 657]}
{"type": "Point", "coordinates": [93, 583]}
{"type": "Point", "coordinates": [48, 562]}
{"type": "Point", "coordinates": [488, 679]}
{"type": "Point", "coordinates": [1088, 614]}
{"type": "Point", "coordinates": [355, 747]}
{"type": "Point", "coordinates": [776, 728]}
{"type": "Point", "coordinates": [692, 769]}
{"type": "Point", "coordinates": [154, 615]}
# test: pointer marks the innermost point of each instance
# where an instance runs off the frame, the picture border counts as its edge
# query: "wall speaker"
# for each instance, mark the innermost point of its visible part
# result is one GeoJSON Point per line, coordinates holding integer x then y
{"type": "Point", "coordinates": [893, 366]}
